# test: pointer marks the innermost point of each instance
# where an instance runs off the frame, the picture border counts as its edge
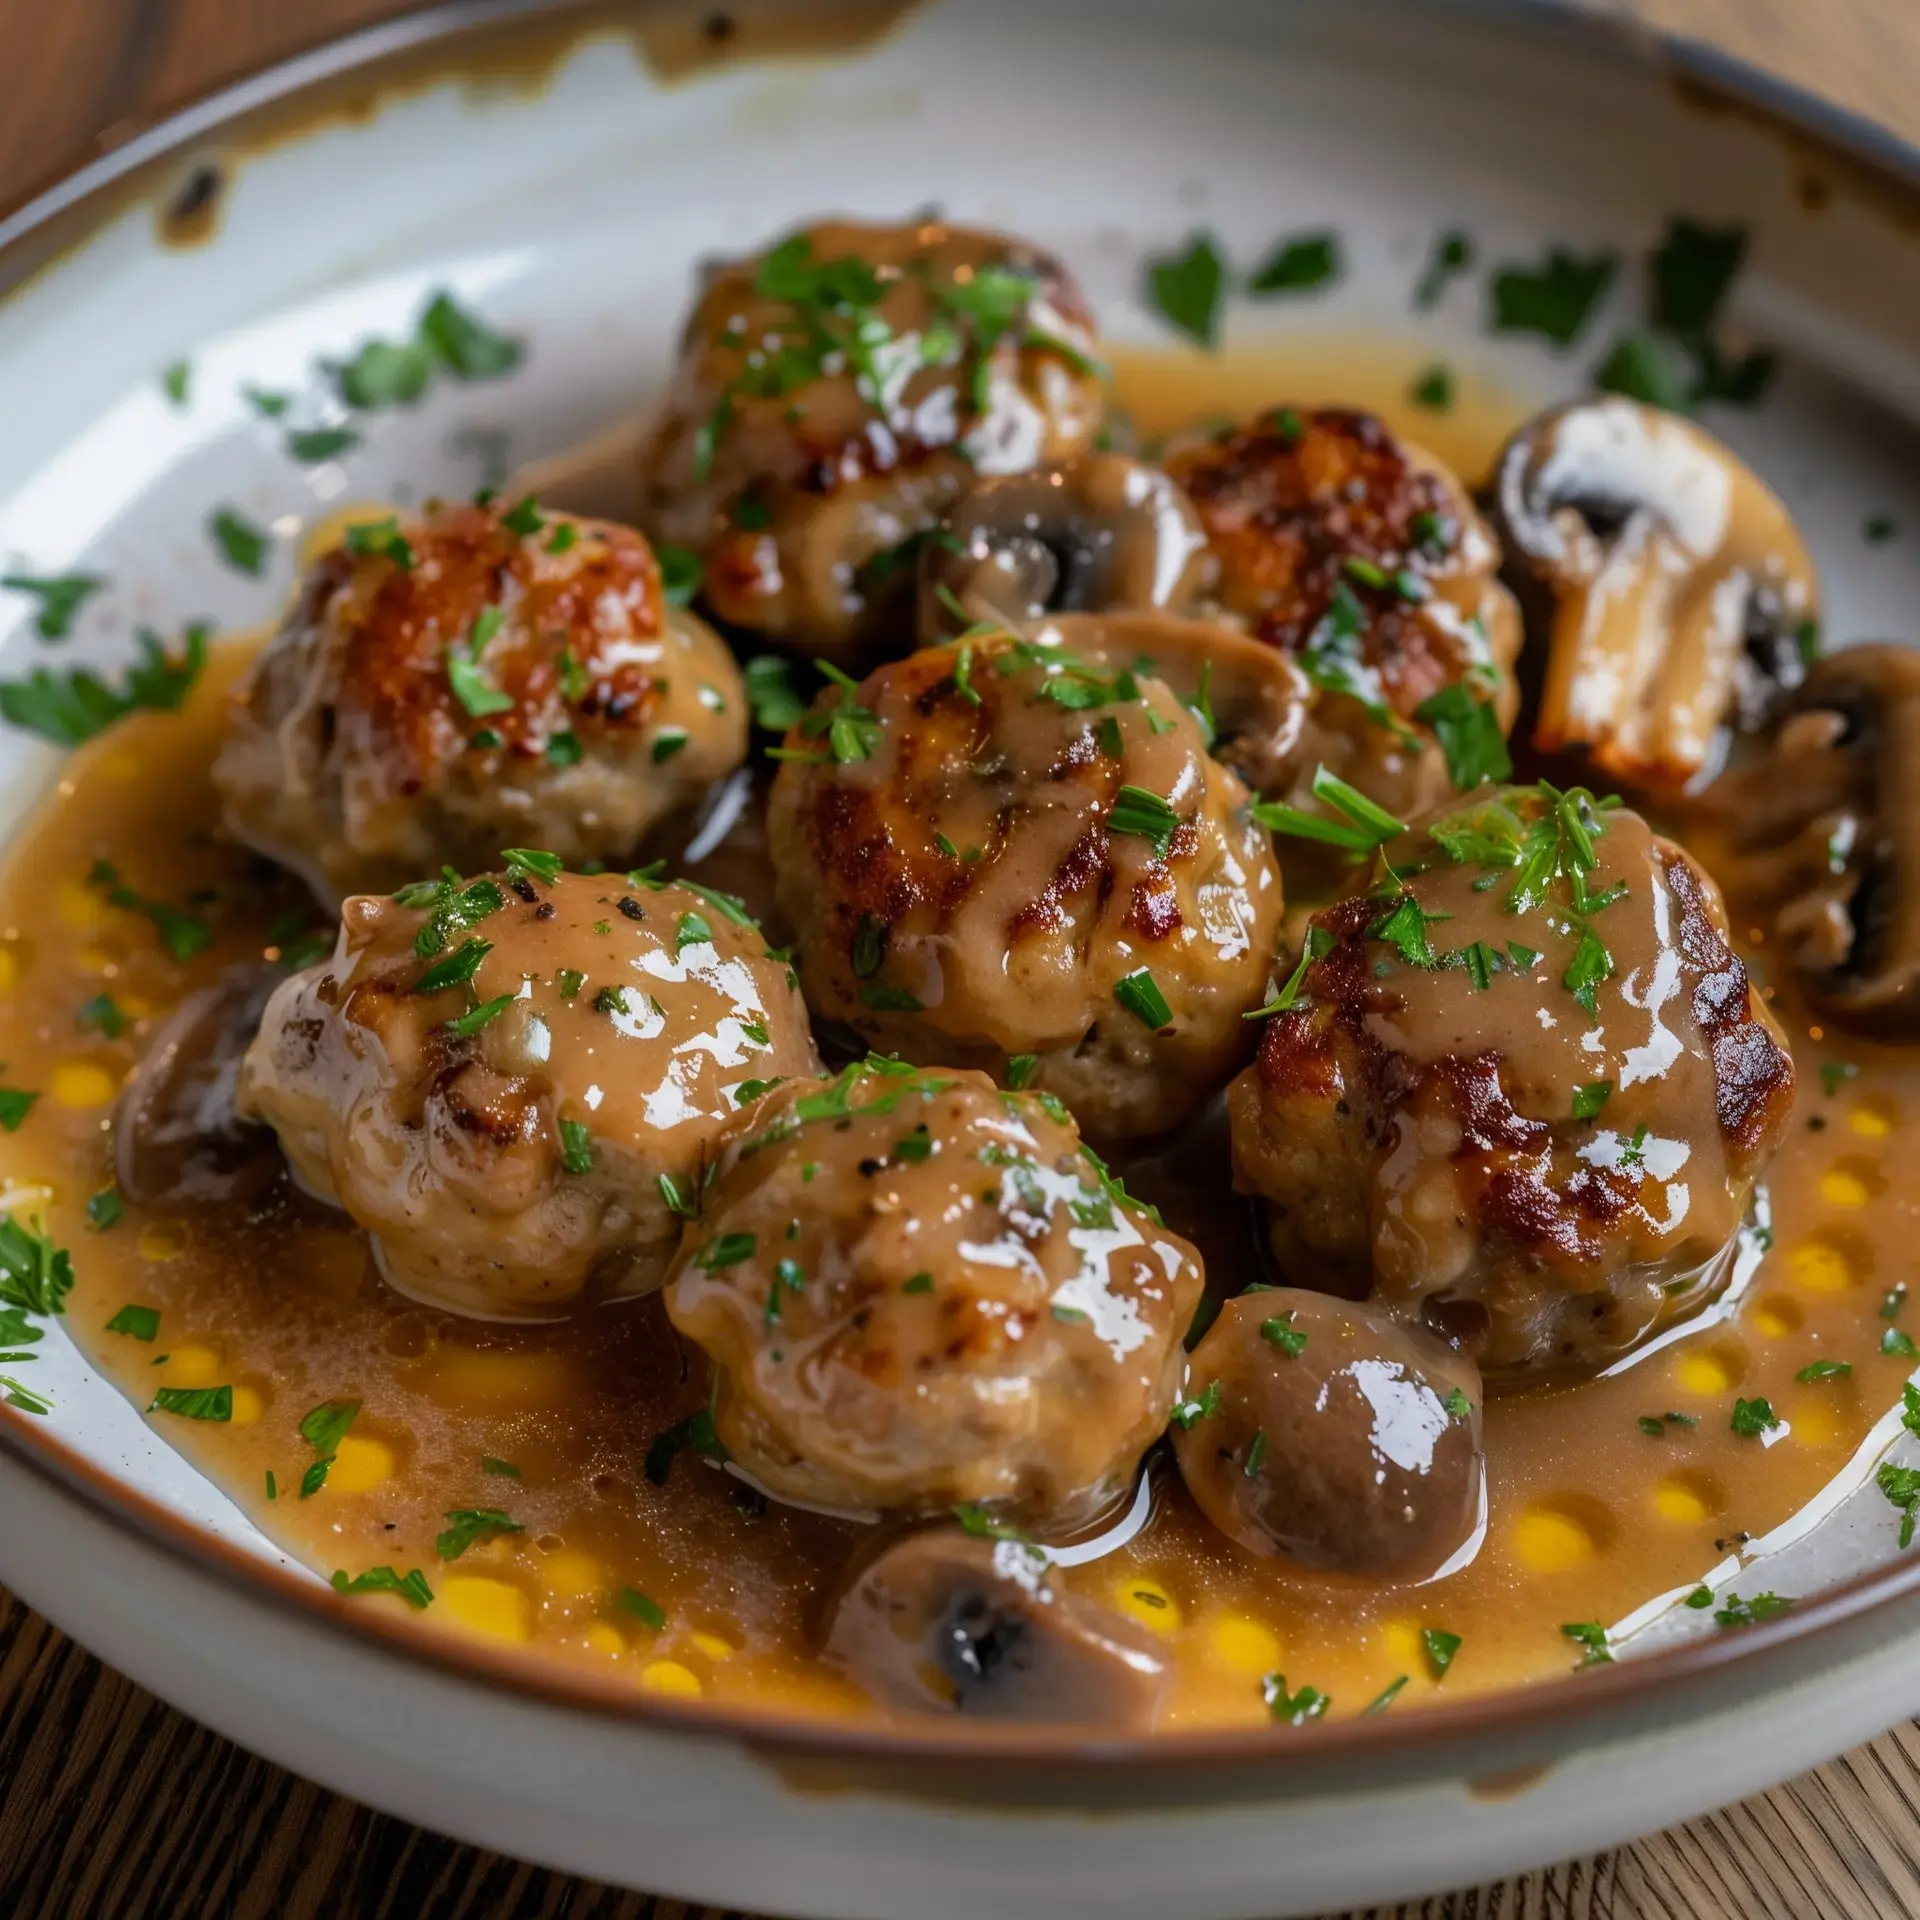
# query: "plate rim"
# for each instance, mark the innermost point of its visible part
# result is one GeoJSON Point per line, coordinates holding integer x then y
{"type": "Point", "coordinates": [1582, 1702]}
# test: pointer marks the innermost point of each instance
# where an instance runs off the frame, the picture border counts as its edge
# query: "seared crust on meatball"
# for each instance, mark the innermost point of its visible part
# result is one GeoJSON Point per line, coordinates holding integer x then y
{"type": "Point", "coordinates": [1328, 1434]}
{"type": "Point", "coordinates": [917, 1290]}
{"type": "Point", "coordinates": [998, 847]}
{"type": "Point", "coordinates": [836, 394]}
{"type": "Point", "coordinates": [495, 1077]}
{"type": "Point", "coordinates": [1529, 1114]}
{"type": "Point", "coordinates": [472, 678]}
{"type": "Point", "coordinates": [1361, 557]}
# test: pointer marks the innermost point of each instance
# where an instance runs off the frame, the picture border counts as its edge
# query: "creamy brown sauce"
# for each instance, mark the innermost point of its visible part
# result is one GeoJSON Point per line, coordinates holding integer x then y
{"type": "Point", "coordinates": [1589, 1516]}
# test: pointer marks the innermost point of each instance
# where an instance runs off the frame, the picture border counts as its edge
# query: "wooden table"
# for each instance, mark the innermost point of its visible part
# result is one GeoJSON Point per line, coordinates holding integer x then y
{"type": "Point", "coordinates": [113, 1805]}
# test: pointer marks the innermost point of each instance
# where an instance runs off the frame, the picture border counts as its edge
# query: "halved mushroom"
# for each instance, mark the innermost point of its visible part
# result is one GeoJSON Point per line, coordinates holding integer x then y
{"type": "Point", "coordinates": [1252, 701]}
{"type": "Point", "coordinates": [1825, 831]}
{"type": "Point", "coordinates": [943, 1621]}
{"type": "Point", "coordinates": [1105, 532]}
{"type": "Point", "coordinates": [176, 1136]}
{"type": "Point", "coordinates": [1668, 584]}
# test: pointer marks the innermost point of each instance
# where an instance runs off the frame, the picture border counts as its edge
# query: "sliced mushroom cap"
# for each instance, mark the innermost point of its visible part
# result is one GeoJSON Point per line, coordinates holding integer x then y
{"type": "Point", "coordinates": [1327, 1433]}
{"type": "Point", "coordinates": [1252, 698]}
{"type": "Point", "coordinates": [943, 1621]}
{"type": "Point", "coordinates": [1826, 833]}
{"type": "Point", "coordinates": [1667, 583]}
{"type": "Point", "coordinates": [1105, 532]}
{"type": "Point", "coordinates": [176, 1135]}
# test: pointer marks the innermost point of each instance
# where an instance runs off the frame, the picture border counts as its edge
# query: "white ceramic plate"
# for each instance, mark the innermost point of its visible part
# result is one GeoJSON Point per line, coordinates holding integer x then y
{"type": "Point", "coordinates": [572, 212]}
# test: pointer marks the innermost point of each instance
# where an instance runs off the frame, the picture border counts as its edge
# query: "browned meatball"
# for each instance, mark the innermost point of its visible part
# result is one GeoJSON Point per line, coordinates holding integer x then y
{"type": "Point", "coordinates": [835, 394]}
{"type": "Point", "coordinates": [1328, 1434]}
{"type": "Point", "coordinates": [998, 848]}
{"type": "Point", "coordinates": [917, 1290]}
{"type": "Point", "coordinates": [1361, 557]}
{"type": "Point", "coordinates": [943, 1621]}
{"type": "Point", "coordinates": [510, 1082]}
{"type": "Point", "coordinates": [1523, 1087]}
{"type": "Point", "coordinates": [470, 679]}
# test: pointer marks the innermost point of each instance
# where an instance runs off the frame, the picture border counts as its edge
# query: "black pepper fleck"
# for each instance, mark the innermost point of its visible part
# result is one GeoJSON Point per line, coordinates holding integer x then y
{"type": "Point", "coordinates": [544, 911]}
{"type": "Point", "coordinates": [632, 907]}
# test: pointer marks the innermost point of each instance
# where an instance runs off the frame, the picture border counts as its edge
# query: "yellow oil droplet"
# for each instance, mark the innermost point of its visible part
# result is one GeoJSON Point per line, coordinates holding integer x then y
{"type": "Point", "coordinates": [9, 969]}
{"type": "Point", "coordinates": [193, 1366]}
{"type": "Point", "coordinates": [1873, 1119]}
{"type": "Point", "coordinates": [1681, 1502]}
{"type": "Point", "coordinates": [605, 1639]}
{"type": "Point", "coordinates": [362, 1464]}
{"type": "Point", "coordinates": [96, 960]}
{"type": "Point", "coordinates": [494, 1608]}
{"type": "Point", "coordinates": [136, 1006]}
{"type": "Point", "coordinates": [1551, 1541]}
{"type": "Point", "coordinates": [1821, 1265]}
{"type": "Point", "coordinates": [669, 1676]}
{"type": "Point", "coordinates": [472, 1379]}
{"type": "Point", "coordinates": [715, 1646]}
{"type": "Point", "coordinates": [249, 1404]}
{"type": "Point", "coordinates": [118, 765]}
{"type": "Point", "coordinates": [1776, 1317]}
{"type": "Point", "coordinates": [571, 1575]}
{"type": "Point", "coordinates": [1705, 1373]}
{"type": "Point", "coordinates": [1247, 1646]}
{"type": "Point", "coordinates": [82, 907]}
{"type": "Point", "coordinates": [1847, 1185]}
{"type": "Point", "coordinates": [1148, 1602]}
{"type": "Point", "coordinates": [31, 1196]}
{"type": "Point", "coordinates": [82, 1083]}
{"type": "Point", "coordinates": [163, 1240]}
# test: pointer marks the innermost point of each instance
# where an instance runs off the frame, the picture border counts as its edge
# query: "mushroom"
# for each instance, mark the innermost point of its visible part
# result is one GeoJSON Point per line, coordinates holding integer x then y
{"type": "Point", "coordinates": [1825, 831]}
{"type": "Point", "coordinates": [1328, 1434]}
{"type": "Point", "coordinates": [1252, 699]}
{"type": "Point", "coordinates": [1105, 532]}
{"type": "Point", "coordinates": [1668, 584]}
{"type": "Point", "coordinates": [942, 1620]}
{"type": "Point", "coordinates": [176, 1136]}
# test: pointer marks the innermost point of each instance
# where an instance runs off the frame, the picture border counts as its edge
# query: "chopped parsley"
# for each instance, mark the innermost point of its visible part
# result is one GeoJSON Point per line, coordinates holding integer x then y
{"type": "Point", "coordinates": [105, 1209]}
{"type": "Point", "coordinates": [533, 863]}
{"type": "Point", "coordinates": [1556, 299]}
{"type": "Point", "coordinates": [1440, 1647]}
{"type": "Point", "coordinates": [1319, 944]}
{"type": "Point", "coordinates": [1293, 1709]}
{"type": "Point", "coordinates": [456, 970]}
{"type": "Point", "coordinates": [500, 1469]}
{"type": "Point", "coordinates": [1362, 827]}
{"type": "Point", "coordinates": [723, 1251]}
{"type": "Point", "coordinates": [15, 1104]}
{"type": "Point", "coordinates": [1469, 733]}
{"type": "Point", "coordinates": [1146, 815]}
{"type": "Point", "coordinates": [1299, 263]}
{"type": "Point", "coordinates": [243, 545]}
{"type": "Point", "coordinates": [1899, 1344]}
{"type": "Point", "coordinates": [182, 934]}
{"type": "Point", "coordinates": [1282, 1333]}
{"type": "Point", "coordinates": [411, 1587]}
{"type": "Point", "coordinates": [1202, 1406]}
{"type": "Point", "coordinates": [564, 749]}
{"type": "Point", "coordinates": [696, 1431]}
{"type": "Point", "coordinates": [1432, 390]}
{"type": "Point", "coordinates": [1593, 1637]}
{"type": "Point", "coordinates": [1185, 289]}
{"type": "Point", "coordinates": [576, 1147]}
{"type": "Point", "coordinates": [195, 1403]}
{"type": "Point", "coordinates": [463, 343]}
{"type": "Point", "coordinates": [382, 537]}
{"type": "Point", "coordinates": [103, 1014]}
{"type": "Point", "coordinates": [1751, 1418]}
{"type": "Point", "coordinates": [1140, 994]}
{"type": "Point", "coordinates": [465, 1525]}
{"type": "Point", "coordinates": [1748, 1613]}
{"type": "Point", "coordinates": [471, 687]}
{"type": "Point", "coordinates": [137, 1323]}
{"type": "Point", "coordinates": [465, 1026]}
{"type": "Point", "coordinates": [1590, 1097]}
{"type": "Point", "coordinates": [1021, 1068]}
{"type": "Point", "coordinates": [61, 597]}
{"type": "Point", "coordinates": [1816, 1370]}
{"type": "Point", "coordinates": [1458, 1406]}
{"type": "Point", "coordinates": [1450, 255]}
{"type": "Point", "coordinates": [650, 1612]}
{"type": "Point", "coordinates": [692, 930]}
{"type": "Point", "coordinates": [71, 708]}
{"type": "Point", "coordinates": [1385, 1698]}
{"type": "Point", "coordinates": [778, 705]}
{"type": "Point", "coordinates": [310, 445]}
{"type": "Point", "coordinates": [887, 999]}
{"type": "Point", "coordinates": [176, 380]}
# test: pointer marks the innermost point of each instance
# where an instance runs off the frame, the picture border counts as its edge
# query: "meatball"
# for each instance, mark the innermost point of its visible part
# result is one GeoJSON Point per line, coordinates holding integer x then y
{"type": "Point", "coordinates": [836, 394]}
{"type": "Point", "coordinates": [1360, 557]}
{"type": "Point", "coordinates": [1328, 1434]}
{"type": "Point", "coordinates": [943, 1621]}
{"type": "Point", "coordinates": [472, 678]}
{"type": "Point", "coordinates": [1522, 1088]}
{"type": "Point", "coordinates": [510, 1081]}
{"type": "Point", "coordinates": [917, 1290]}
{"type": "Point", "coordinates": [999, 848]}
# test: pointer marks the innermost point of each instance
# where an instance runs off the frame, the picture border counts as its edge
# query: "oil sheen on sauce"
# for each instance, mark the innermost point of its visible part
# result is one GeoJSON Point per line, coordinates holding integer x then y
{"type": "Point", "coordinates": [649, 1565]}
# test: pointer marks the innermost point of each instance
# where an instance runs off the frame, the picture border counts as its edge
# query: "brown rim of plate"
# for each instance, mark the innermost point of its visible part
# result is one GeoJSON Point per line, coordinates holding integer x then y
{"type": "Point", "coordinates": [1483, 1736]}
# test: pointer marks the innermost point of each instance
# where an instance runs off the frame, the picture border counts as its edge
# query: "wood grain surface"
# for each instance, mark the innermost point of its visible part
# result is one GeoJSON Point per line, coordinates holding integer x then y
{"type": "Point", "coordinates": [112, 1805]}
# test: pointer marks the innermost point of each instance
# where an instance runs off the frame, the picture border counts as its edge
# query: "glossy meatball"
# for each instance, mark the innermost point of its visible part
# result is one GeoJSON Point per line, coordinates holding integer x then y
{"type": "Point", "coordinates": [1361, 558]}
{"type": "Point", "coordinates": [997, 848]}
{"type": "Point", "coordinates": [942, 1621]}
{"type": "Point", "coordinates": [470, 679]}
{"type": "Point", "coordinates": [1523, 1087]}
{"type": "Point", "coordinates": [510, 1081]}
{"type": "Point", "coordinates": [1325, 1433]}
{"type": "Point", "coordinates": [917, 1290]}
{"type": "Point", "coordinates": [835, 394]}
